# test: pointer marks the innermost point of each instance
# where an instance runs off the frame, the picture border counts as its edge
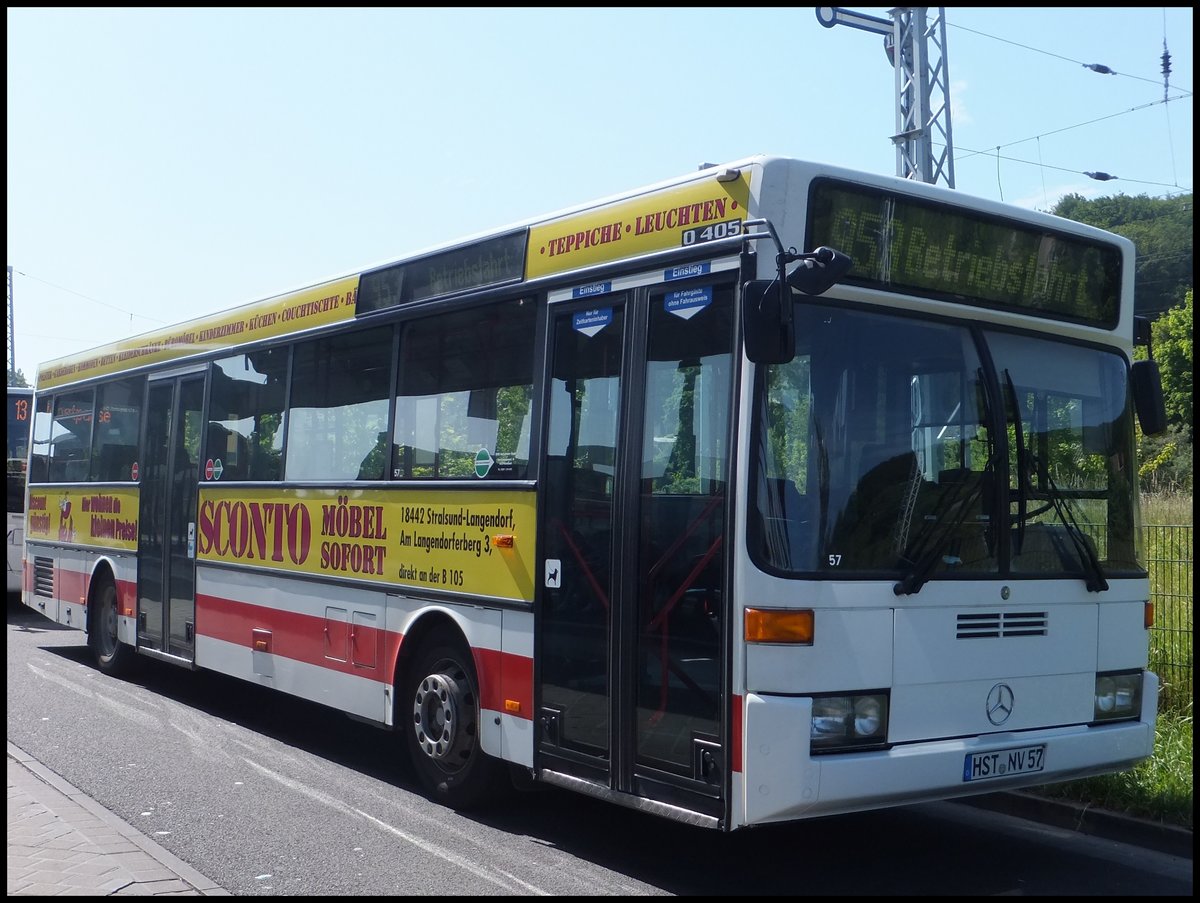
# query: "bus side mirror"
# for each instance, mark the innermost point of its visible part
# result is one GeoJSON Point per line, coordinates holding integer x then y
{"type": "Point", "coordinates": [767, 326]}
{"type": "Point", "coordinates": [820, 271]}
{"type": "Point", "coordinates": [1148, 397]}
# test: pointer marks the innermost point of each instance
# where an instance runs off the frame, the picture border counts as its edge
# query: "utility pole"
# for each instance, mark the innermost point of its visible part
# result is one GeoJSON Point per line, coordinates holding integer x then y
{"type": "Point", "coordinates": [916, 48]}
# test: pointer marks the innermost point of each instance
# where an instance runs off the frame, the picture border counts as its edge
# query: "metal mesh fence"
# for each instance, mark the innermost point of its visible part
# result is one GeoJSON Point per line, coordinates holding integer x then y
{"type": "Point", "coordinates": [1169, 560]}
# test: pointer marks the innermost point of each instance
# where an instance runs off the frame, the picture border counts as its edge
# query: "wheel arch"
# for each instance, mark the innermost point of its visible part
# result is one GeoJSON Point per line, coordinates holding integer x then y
{"type": "Point", "coordinates": [422, 626]}
{"type": "Point", "coordinates": [103, 570]}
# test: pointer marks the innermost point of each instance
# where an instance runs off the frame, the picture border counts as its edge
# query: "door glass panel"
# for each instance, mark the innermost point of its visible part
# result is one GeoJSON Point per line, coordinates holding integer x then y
{"type": "Point", "coordinates": [185, 472]}
{"type": "Point", "coordinates": [152, 519]}
{"type": "Point", "coordinates": [580, 470]}
{"type": "Point", "coordinates": [685, 458]}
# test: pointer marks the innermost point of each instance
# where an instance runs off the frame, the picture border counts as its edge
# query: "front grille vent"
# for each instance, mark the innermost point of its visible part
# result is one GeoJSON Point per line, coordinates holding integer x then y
{"type": "Point", "coordinates": [43, 577]}
{"type": "Point", "coordinates": [994, 624]}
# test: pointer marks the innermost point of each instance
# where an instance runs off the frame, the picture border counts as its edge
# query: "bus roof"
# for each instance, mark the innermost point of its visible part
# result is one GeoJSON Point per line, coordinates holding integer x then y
{"type": "Point", "coordinates": [556, 248]}
{"type": "Point", "coordinates": [621, 226]}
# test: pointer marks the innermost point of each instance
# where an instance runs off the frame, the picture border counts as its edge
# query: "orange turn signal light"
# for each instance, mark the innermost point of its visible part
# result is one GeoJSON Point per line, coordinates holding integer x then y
{"type": "Point", "coordinates": [503, 541]}
{"type": "Point", "coordinates": [776, 625]}
{"type": "Point", "coordinates": [512, 706]}
{"type": "Point", "coordinates": [1148, 615]}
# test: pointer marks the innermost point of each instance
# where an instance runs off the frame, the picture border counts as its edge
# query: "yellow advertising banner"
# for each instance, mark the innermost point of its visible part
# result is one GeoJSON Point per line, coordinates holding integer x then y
{"type": "Point", "coordinates": [104, 518]}
{"type": "Point", "coordinates": [671, 218]}
{"type": "Point", "coordinates": [462, 541]}
{"type": "Point", "coordinates": [316, 306]}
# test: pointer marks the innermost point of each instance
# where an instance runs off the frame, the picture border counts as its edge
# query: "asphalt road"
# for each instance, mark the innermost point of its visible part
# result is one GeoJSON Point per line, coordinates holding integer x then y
{"type": "Point", "coordinates": [269, 795]}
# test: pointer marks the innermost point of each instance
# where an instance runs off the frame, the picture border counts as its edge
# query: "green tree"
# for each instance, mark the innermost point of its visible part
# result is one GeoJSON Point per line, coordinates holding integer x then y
{"type": "Point", "coordinates": [17, 378]}
{"type": "Point", "coordinates": [1166, 459]}
{"type": "Point", "coordinates": [1172, 345]}
{"type": "Point", "coordinates": [1161, 230]}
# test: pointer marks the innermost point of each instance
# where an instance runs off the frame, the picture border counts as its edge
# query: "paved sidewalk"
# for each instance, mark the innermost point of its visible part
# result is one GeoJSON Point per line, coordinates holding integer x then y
{"type": "Point", "coordinates": [62, 843]}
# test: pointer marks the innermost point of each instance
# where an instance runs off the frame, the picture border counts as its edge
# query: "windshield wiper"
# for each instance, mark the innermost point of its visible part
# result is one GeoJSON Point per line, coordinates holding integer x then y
{"type": "Point", "coordinates": [1022, 464]}
{"type": "Point", "coordinates": [1093, 570]}
{"type": "Point", "coordinates": [933, 538]}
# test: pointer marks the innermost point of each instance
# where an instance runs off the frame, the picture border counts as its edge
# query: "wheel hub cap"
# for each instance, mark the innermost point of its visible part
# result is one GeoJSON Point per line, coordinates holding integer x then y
{"type": "Point", "coordinates": [435, 715]}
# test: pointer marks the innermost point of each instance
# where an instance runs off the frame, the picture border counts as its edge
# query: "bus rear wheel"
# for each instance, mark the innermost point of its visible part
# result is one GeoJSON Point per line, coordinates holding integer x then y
{"type": "Point", "coordinates": [441, 714]}
{"type": "Point", "coordinates": [112, 656]}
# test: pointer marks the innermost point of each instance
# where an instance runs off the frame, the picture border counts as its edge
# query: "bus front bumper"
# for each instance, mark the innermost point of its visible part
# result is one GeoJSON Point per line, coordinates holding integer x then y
{"type": "Point", "coordinates": [781, 781]}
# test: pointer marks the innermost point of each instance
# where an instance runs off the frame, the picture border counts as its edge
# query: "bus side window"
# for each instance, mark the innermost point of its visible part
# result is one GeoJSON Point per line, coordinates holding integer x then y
{"type": "Point", "coordinates": [115, 437]}
{"type": "Point", "coordinates": [39, 459]}
{"type": "Point", "coordinates": [71, 437]}
{"type": "Point", "coordinates": [246, 413]}
{"type": "Point", "coordinates": [465, 386]}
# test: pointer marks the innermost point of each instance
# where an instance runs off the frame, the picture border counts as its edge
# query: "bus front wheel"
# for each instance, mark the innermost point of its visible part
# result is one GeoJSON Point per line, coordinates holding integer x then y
{"type": "Point", "coordinates": [441, 717]}
{"type": "Point", "coordinates": [112, 656]}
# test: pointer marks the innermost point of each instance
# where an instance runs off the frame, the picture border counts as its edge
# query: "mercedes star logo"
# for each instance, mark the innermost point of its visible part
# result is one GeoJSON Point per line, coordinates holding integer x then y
{"type": "Point", "coordinates": [999, 704]}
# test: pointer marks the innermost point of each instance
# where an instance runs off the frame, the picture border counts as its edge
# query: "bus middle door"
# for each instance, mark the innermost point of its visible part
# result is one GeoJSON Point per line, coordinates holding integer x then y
{"type": "Point", "coordinates": [167, 522]}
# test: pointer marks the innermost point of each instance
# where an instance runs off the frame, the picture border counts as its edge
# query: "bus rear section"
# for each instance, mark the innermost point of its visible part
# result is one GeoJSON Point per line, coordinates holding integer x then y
{"type": "Point", "coordinates": [942, 594]}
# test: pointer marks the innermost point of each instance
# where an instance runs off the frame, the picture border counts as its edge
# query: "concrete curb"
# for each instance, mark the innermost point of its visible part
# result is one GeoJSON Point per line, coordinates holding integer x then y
{"type": "Point", "coordinates": [203, 885]}
{"type": "Point", "coordinates": [1090, 820]}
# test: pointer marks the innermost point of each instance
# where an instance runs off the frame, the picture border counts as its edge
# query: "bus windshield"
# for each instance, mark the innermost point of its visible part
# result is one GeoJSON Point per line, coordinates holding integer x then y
{"type": "Point", "coordinates": [892, 446]}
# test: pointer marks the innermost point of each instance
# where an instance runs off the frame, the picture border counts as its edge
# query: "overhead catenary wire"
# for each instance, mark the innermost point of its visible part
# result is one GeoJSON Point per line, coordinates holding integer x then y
{"type": "Point", "coordinates": [995, 152]}
{"type": "Point", "coordinates": [1067, 128]}
{"type": "Point", "coordinates": [71, 291]}
{"type": "Point", "coordinates": [1167, 98]}
{"type": "Point", "coordinates": [1095, 67]}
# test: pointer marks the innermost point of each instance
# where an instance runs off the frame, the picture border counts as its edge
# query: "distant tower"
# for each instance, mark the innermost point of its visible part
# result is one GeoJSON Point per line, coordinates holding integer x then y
{"type": "Point", "coordinates": [916, 48]}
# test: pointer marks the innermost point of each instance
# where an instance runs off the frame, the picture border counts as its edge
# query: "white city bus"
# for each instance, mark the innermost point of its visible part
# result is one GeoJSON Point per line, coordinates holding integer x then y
{"type": "Point", "coordinates": [20, 416]}
{"type": "Point", "coordinates": [639, 500]}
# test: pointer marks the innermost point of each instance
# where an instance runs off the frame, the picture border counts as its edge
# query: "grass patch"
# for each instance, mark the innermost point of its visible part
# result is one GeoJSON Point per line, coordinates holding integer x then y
{"type": "Point", "coordinates": [1159, 789]}
{"type": "Point", "coordinates": [1167, 508]}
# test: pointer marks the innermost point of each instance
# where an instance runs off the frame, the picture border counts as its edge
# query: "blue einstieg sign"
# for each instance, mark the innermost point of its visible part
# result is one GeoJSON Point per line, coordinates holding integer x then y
{"type": "Point", "coordinates": [687, 271]}
{"type": "Point", "coordinates": [593, 288]}
{"type": "Point", "coordinates": [688, 302]}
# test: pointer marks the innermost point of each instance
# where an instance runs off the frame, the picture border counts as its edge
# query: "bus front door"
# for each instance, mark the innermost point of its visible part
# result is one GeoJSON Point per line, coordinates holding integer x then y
{"type": "Point", "coordinates": [631, 664]}
{"type": "Point", "coordinates": [167, 521]}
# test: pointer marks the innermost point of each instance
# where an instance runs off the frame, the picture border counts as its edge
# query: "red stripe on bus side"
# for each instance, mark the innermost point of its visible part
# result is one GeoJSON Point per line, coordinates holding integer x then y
{"type": "Point", "coordinates": [127, 597]}
{"type": "Point", "coordinates": [71, 585]}
{"type": "Point", "coordinates": [504, 677]}
{"type": "Point", "coordinates": [301, 638]}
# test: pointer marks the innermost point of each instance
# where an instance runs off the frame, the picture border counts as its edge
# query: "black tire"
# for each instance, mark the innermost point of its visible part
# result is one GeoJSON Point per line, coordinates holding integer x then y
{"type": "Point", "coordinates": [439, 712]}
{"type": "Point", "coordinates": [112, 656]}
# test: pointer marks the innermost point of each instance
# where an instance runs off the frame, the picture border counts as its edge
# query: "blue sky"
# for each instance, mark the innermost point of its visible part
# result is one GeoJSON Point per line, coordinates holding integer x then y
{"type": "Point", "coordinates": [167, 164]}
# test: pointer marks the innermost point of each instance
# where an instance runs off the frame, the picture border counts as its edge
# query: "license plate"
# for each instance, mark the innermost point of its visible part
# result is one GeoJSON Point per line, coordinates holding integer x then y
{"type": "Point", "coordinates": [1004, 763]}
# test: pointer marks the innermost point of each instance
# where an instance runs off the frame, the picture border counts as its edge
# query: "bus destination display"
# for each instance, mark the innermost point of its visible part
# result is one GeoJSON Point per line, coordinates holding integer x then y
{"type": "Point", "coordinates": [903, 244]}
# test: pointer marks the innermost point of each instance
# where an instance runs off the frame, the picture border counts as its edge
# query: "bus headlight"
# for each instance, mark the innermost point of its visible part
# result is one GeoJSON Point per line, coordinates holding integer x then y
{"type": "Point", "coordinates": [849, 721]}
{"type": "Point", "coordinates": [1118, 695]}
